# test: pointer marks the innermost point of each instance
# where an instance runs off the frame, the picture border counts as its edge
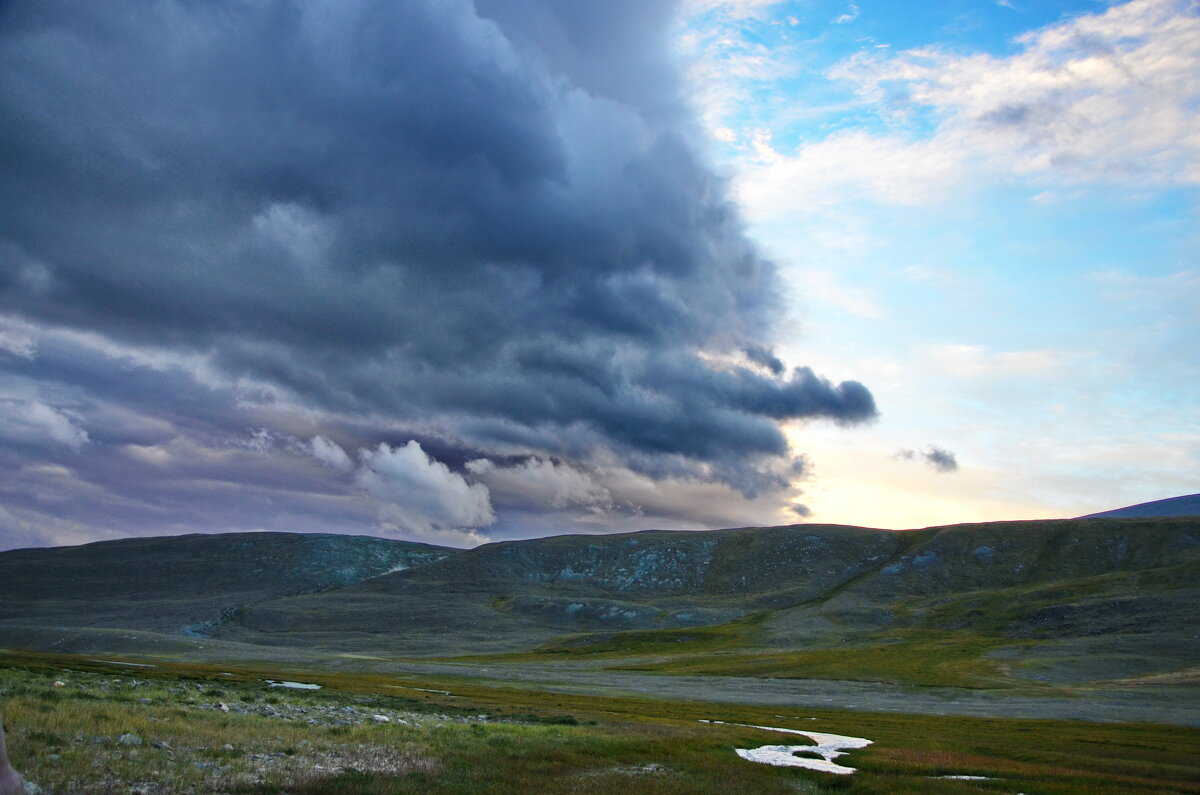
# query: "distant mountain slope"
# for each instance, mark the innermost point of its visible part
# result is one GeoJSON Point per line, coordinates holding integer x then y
{"type": "Point", "coordinates": [812, 584]}
{"type": "Point", "coordinates": [1123, 589]}
{"type": "Point", "coordinates": [1071, 599]}
{"type": "Point", "coordinates": [183, 583]}
{"type": "Point", "coordinates": [1188, 505]}
{"type": "Point", "coordinates": [512, 594]}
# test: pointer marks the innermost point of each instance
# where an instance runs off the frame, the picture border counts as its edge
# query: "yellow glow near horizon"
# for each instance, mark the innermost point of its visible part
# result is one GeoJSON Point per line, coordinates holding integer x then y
{"type": "Point", "coordinates": [858, 481]}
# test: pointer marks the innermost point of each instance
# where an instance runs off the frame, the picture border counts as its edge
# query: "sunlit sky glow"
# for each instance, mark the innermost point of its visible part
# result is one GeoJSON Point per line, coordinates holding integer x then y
{"type": "Point", "coordinates": [464, 271]}
{"type": "Point", "coordinates": [986, 212]}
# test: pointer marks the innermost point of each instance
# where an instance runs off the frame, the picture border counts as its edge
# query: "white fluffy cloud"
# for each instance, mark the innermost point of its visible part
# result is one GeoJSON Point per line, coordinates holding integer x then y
{"type": "Point", "coordinates": [330, 454]}
{"type": "Point", "coordinates": [1106, 98]}
{"type": "Point", "coordinates": [17, 338]}
{"type": "Point", "coordinates": [541, 482]}
{"type": "Point", "coordinates": [420, 496]}
{"type": "Point", "coordinates": [846, 166]}
{"type": "Point", "coordinates": [32, 421]}
{"type": "Point", "coordinates": [850, 15]}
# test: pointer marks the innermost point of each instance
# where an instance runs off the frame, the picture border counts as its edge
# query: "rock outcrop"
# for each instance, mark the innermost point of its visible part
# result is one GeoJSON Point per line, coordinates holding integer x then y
{"type": "Point", "coordinates": [10, 782]}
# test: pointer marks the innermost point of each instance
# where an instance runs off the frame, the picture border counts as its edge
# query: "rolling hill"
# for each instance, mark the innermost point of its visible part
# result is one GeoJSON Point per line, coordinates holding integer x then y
{"type": "Point", "coordinates": [186, 584]}
{"type": "Point", "coordinates": [1188, 505]}
{"type": "Point", "coordinates": [1059, 600]}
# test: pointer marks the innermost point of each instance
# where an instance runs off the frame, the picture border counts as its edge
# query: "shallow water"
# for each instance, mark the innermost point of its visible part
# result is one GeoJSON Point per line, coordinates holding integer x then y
{"type": "Point", "coordinates": [293, 685]}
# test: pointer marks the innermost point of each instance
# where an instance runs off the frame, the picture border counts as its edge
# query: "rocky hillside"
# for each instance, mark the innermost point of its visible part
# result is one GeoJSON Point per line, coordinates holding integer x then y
{"type": "Point", "coordinates": [1086, 598]}
{"type": "Point", "coordinates": [805, 585]}
{"type": "Point", "coordinates": [186, 584]}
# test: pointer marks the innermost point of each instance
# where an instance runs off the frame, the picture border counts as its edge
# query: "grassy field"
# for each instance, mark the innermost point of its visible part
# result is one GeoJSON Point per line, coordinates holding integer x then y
{"type": "Point", "coordinates": [716, 638]}
{"type": "Point", "coordinates": [940, 659]}
{"type": "Point", "coordinates": [915, 657]}
{"type": "Point", "coordinates": [177, 727]}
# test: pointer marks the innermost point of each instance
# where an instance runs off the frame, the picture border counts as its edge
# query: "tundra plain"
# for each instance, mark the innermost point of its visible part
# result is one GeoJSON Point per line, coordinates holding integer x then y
{"type": "Point", "coordinates": [1029, 656]}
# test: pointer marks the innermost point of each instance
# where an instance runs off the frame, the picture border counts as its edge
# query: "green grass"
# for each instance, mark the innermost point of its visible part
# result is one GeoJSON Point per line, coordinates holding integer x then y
{"type": "Point", "coordinates": [953, 659]}
{"type": "Point", "coordinates": [524, 744]}
{"type": "Point", "coordinates": [741, 633]}
{"type": "Point", "coordinates": [947, 658]}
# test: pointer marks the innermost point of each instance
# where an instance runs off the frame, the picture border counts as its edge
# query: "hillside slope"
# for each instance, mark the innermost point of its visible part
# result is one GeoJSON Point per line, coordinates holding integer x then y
{"type": "Point", "coordinates": [1132, 584]}
{"type": "Point", "coordinates": [1188, 505]}
{"type": "Point", "coordinates": [1060, 600]}
{"type": "Point", "coordinates": [185, 584]}
{"type": "Point", "coordinates": [510, 595]}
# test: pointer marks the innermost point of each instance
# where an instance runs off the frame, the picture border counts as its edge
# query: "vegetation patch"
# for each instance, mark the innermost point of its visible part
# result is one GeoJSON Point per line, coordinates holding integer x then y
{"type": "Point", "coordinates": [720, 637]}
{"type": "Point", "coordinates": [916, 658]}
{"type": "Point", "coordinates": [181, 728]}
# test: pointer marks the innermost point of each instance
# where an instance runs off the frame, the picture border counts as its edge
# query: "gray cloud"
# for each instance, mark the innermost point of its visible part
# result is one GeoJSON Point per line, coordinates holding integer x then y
{"type": "Point", "coordinates": [940, 459]}
{"type": "Point", "coordinates": [800, 510]}
{"type": "Point", "coordinates": [481, 226]}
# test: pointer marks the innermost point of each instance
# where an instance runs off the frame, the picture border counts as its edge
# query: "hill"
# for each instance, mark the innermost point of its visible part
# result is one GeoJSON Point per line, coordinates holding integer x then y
{"type": "Point", "coordinates": [1059, 599]}
{"type": "Point", "coordinates": [976, 605]}
{"type": "Point", "coordinates": [186, 584]}
{"type": "Point", "coordinates": [1188, 505]}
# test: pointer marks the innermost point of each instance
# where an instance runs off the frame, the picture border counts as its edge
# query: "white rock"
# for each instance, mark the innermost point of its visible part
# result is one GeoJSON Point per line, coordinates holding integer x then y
{"type": "Point", "coordinates": [381, 719]}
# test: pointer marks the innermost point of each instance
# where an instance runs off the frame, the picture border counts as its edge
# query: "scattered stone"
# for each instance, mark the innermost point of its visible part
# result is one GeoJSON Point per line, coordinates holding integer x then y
{"type": "Point", "coordinates": [163, 744]}
{"type": "Point", "coordinates": [129, 739]}
{"type": "Point", "coordinates": [381, 719]}
{"type": "Point", "coordinates": [652, 767]}
{"type": "Point", "coordinates": [226, 747]}
{"type": "Point", "coordinates": [212, 767]}
{"type": "Point", "coordinates": [145, 701]}
{"type": "Point", "coordinates": [223, 707]}
{"type": "Point", "coordinates": [59, 683]}
{"type": "Point", "coordinates": [964, 778]}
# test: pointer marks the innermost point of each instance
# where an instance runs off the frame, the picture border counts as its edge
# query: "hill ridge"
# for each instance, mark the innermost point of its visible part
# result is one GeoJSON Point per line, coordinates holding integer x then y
{"type": "Point", "coordinates": [1186, 505]}
{"type": "Point", "coordinates": [1119, 594]}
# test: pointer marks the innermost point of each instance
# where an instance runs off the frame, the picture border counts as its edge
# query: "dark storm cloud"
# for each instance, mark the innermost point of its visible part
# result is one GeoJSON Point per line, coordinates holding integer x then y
{"type": "Point", "coordinates": [487, 220]}
{"type": "Point", "coordinates": [161, 454]}
{"type": "Point", "coordinates": [764, 357]}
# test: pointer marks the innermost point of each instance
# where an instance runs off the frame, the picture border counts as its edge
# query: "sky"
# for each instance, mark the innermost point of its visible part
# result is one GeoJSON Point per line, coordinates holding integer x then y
{"type": "Point", "coordinates": [461, 271]}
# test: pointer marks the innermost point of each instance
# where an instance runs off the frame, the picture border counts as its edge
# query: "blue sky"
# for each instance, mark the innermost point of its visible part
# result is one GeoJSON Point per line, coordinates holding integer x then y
{"type": "Point", "coordinates": [1021, 291]}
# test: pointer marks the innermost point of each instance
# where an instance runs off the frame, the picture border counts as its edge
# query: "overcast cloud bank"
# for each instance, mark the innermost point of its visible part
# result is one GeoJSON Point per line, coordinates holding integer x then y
{"type": "Point", "coordinates": [298, 265]}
